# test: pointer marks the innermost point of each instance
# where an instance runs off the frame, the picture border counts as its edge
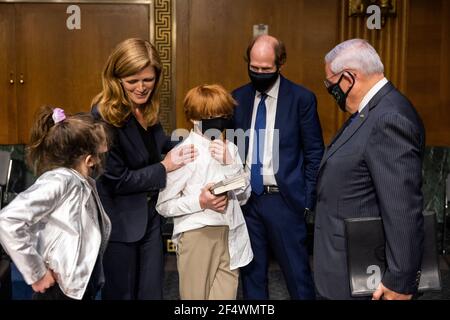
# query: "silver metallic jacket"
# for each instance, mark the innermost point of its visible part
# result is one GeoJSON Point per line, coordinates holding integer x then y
{"type": "Point", "coordinates": [54, 225]}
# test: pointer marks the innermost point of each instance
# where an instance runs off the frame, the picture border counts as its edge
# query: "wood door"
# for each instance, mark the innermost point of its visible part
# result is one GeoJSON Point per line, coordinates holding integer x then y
{"type": "Point", "coordinates": [8, 127]}
{"type": "Point", "coordinates": [62, 67]}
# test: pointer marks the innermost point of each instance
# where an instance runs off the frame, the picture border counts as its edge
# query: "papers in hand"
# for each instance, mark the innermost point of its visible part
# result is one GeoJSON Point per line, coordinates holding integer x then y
{"type": "Point", "coordinates": [228, 184]}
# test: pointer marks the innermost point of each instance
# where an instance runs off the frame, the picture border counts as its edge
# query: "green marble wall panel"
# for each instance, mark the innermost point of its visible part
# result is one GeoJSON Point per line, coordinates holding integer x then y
{"type": "Point", "coordinates": [436, 167]}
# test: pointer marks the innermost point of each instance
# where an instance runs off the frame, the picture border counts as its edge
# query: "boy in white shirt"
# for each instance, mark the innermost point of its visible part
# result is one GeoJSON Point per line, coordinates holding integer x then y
{"type": "Point", "coordinates": [209, 231]}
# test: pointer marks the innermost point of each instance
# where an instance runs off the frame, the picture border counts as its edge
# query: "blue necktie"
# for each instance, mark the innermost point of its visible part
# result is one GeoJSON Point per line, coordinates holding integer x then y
{"type": "Point", "coordinates": [256, 179]}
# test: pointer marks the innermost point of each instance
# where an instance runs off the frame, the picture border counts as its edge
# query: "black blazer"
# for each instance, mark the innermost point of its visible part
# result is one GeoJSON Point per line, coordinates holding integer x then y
{"type": "Point", "coordinates": [374, 168]}
{"type": "Point", "coordinates": [128, 179]}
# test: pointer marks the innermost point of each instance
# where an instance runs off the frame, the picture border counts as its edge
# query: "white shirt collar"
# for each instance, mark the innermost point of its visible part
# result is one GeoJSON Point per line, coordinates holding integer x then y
{"type": "Point", "coordinates": [273, 92]}
{"type": "Point", "coordinates": [200, 139]}
{"type": "Point", "coordinates": [372, 92]}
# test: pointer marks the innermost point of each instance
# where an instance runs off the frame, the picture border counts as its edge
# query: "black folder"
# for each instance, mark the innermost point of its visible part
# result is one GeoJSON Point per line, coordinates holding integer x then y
{"type": "Point", "coordinates": [366, 255]}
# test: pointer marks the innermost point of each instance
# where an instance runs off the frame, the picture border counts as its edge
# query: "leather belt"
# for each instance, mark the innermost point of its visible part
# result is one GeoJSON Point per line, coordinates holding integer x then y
{"type": "Point", "coordinates": [271, 189]}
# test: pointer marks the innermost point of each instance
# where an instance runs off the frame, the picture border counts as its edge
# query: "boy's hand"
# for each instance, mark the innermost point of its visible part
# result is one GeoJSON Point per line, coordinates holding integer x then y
{"type": "Point", "coordinates": [219, 151]}
{"type": "Point", "coordinates": [212, 202]}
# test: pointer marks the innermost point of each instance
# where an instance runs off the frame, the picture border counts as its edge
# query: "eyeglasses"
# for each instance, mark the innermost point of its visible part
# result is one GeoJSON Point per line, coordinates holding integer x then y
{"type": "Point", "coordinates": [329, 84]}
{"type": "Point", "coordinates": [327, 81]}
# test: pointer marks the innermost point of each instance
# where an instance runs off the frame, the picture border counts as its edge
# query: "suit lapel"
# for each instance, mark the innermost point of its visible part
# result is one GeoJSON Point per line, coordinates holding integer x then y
{"type": "Point", "coordinates": [248, 103]}
{"type": "Point", "coordinates": [344, 135]}
{"type": "Point", "coordinates": [283, 99]}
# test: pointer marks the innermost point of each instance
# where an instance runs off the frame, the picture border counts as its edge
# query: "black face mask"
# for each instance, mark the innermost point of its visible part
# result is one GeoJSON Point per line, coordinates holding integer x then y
{"type": "Point", "coordinates": [212, 128]}
{"type": "Point", "coordinates": [95, 171]}
{"type": "Point", "coordinates": [98, 169]}
{"type": "Point", "coordinates": [339, 95]}
{"type": "Point", "coordinates": [262, 81]}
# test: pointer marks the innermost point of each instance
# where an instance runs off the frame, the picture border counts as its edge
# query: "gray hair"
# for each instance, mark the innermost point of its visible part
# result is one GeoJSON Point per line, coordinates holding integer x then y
{"type": "Point", "coordinates": [355, 54]}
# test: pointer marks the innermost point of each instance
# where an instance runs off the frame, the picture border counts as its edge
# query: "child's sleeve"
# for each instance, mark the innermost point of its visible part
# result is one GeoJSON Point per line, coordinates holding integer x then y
{"type": "Point", "coordinates": [20, 221]}
{"type": "Point", "coordinates": [236, 168]}
{"type": "Point", "coordinates": [172, 201]}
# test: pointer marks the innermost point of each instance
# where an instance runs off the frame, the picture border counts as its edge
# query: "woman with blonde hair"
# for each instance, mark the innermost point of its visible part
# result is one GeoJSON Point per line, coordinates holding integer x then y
{"type": "Point", "coordinates": [134, 171]}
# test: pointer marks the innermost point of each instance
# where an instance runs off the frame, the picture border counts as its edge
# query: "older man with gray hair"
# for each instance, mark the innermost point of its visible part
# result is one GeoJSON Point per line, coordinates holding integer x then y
{"type": "Point", "coordinates": [371, 168]}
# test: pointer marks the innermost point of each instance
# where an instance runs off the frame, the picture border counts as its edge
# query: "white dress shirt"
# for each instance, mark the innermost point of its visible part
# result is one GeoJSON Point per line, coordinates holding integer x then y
{"type": "Point", "coordinates": [180, 199]}
{"type": "Point", "coordinates": [371, 93]}
{"type": "Point", "coordinates": [270, 136]}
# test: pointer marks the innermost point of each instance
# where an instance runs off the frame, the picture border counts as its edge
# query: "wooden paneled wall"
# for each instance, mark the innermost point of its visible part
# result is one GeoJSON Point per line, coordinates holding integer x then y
{"type": "Point", "coordinates": [42, 62]}
{"type": "Point", "coordinates": [415, 47]}
{"type": "Point", "coordinates": [390, 41]}
{"type": "Point", "coordinates": [8, 112]}
{"type": "Point", "coordinates": [61, 67]}
{"type": "Point", "coordinates": [212, 37]}
{"type": "Point", "coordinates": [428, 66]}
{"type": "Point", "coordinates": [210, 40]}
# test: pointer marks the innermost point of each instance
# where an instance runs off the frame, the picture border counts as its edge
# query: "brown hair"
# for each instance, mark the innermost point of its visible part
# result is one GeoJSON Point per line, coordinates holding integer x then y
{"type": "Point", "coordinates": [207, 101]}
{"type": "Point", "coordinates": [63, 144]}
{"type": "Point", "coordinates": [278, 47]}
{"type": "Point", "coordinates": [128, 58]}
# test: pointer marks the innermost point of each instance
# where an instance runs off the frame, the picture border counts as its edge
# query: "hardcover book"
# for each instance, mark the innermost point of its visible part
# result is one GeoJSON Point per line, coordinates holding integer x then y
{"type": "Point", "coordinates": [228, 184]}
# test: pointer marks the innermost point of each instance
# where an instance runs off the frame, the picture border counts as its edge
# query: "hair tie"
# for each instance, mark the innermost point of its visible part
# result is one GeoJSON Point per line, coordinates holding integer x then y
{"type": "Point", "coordinates": [58, 115]}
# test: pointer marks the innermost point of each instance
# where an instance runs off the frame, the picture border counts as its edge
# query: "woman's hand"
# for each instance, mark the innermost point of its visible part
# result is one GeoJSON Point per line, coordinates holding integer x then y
{"type": "Point", "coordinates": [212, 202]}
{"type": "Point", "coordinates": [219, 151]}
{"type": "Point", "coordinates": [179, 156]}
{"type": "Point", "coordinates": [47, 281]}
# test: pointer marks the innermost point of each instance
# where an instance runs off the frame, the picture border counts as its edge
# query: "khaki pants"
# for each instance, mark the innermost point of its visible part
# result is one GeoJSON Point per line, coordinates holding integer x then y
{"type": "Point", "coordinates": [204, 265]}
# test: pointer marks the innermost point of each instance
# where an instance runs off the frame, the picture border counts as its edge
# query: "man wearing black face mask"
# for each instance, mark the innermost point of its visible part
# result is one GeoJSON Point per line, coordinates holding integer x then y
{"type": "Point", "coordinates": [282, 154]}
{"type": "Point", "coordinates": [372, 168]}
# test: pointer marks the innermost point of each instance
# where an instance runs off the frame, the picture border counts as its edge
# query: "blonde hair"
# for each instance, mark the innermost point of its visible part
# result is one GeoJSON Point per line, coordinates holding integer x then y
{"type": "Point", "coordinates": [128, 58]}
{"type": "Point", "coordinates": [65, 143]}
{"type": "Point", "coordinates": [208, 101]}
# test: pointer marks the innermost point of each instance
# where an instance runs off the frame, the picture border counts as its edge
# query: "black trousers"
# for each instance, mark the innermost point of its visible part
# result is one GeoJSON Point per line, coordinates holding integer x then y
{"type": "Point", "coordinates": [135, 271]}
{"type": "Point", "coordinates": [5, 277]}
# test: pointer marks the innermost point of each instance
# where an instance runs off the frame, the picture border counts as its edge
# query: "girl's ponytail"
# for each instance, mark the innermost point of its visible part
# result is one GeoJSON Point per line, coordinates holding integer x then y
{"type": "Point", "coordinates": [57, 141]}
{"type": "Point", "coordinates": [35, 153]}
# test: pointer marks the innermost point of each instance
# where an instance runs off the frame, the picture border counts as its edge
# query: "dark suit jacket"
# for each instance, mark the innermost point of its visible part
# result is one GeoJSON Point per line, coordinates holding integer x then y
{"type": "Point", "coordinates": [374, 168]}
{"type": "Point", "coordinates": [129, 179]}
{"type": "Point", "coordinates": [300, 135]}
